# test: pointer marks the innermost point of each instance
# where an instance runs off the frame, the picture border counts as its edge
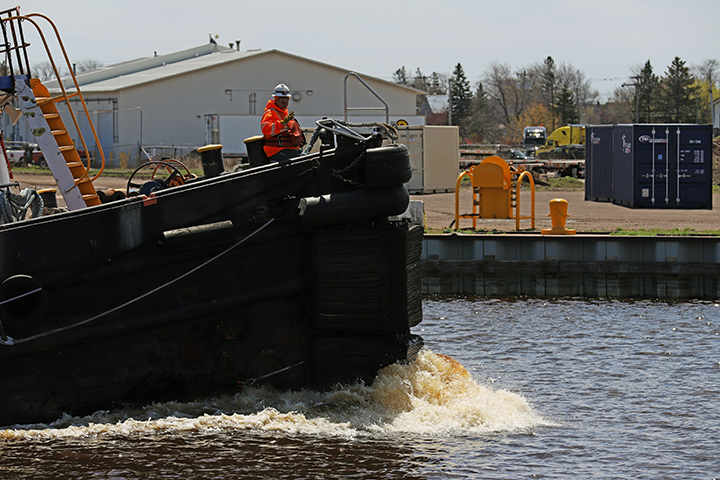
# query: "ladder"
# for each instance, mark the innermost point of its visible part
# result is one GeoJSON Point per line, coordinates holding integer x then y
{"type": "Point", "coordinates": [55, 143]}
{"type": "Point", "coordinates": [43, 117]}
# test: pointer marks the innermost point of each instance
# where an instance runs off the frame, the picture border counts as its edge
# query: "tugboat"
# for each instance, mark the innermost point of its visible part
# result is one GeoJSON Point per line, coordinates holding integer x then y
{"type": "Point", "coordinates": [290, 274]}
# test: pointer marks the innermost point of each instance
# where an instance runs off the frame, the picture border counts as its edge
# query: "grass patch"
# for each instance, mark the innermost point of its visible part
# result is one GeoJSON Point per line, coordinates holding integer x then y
{"type": "Point", "coordinates": [653, 232]}
{"type": "Point", "coordinates": [562, 184]}
{"type": "Point", "coordinates": [675, 232]}
{"type": "Point", "coordinates": [479, 231]}
{"type": "Point", "coordinates": [559, 184]}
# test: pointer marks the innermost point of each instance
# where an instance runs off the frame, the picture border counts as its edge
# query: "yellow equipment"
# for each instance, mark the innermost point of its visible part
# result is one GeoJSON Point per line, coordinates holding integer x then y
{"type": "Point", "coordinates": [558, 215]}
{"type": "Point", "coordinates": [495, 189]}
{"type": "Point", "coordinates": [570, 138]}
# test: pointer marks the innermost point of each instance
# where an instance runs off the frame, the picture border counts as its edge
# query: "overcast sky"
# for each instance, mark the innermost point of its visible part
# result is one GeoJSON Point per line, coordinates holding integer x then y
{"type": "Point", "coordinates": [605, 39]}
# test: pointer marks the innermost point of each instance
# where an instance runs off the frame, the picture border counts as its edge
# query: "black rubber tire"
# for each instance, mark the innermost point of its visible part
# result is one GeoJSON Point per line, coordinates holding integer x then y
{"type": "Point", "coordinates": [387, 166]}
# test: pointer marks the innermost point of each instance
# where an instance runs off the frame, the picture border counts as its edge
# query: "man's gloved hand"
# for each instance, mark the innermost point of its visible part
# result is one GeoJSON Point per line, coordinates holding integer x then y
{"type": "Point", "coordinates": [288, 117]}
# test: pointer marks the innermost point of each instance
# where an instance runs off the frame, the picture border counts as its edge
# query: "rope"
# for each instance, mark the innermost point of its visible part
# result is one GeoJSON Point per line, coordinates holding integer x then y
{"type": "Point", "coordinates": [251, 381]}
{"type": "Point", "coordinates": [144, 295]}
{"type": "Point", "coordinates": [14, 207]}
{"type": "Point", "coordinates": [384, 128]}
{"type": "Point", "coordinates": [4, 339]}
{"type": "Point", "coordinates": [21, 296]}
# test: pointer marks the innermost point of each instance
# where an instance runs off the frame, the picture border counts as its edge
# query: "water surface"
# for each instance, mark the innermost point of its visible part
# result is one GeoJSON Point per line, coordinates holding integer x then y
{"type": "Point", "coordinates": [505, 389]}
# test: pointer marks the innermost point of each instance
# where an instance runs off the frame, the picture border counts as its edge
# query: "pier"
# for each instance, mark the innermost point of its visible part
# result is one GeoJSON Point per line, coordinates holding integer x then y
{"type": "Point", "coordinates": [591, 266]}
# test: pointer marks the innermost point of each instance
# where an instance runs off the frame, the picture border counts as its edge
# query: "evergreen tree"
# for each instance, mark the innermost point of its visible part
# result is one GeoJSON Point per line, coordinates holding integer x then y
{"type": "Point", "coordinates": [438, 84]}
{"type": "Point", "coordinates": [400, 76]}
{"type": "Point", "coordinates": [678, 93]}
{"type": "Point", "coordinates": [460, 99]}
{"type": "Point", "coordinates": [548, 86]}
{"type": "Point", "coordinates": [647, 102]}
{"type": "Point", "coordinates": [419, 81]}
{"type": "Point", "coordinates": [480, 123]}
{"type": "Point", "coordinates": [566, 106]}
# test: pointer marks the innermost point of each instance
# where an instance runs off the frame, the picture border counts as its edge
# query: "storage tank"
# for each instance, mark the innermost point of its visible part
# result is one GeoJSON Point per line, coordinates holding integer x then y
{"type": "Point", "coordinates": [650, 165]}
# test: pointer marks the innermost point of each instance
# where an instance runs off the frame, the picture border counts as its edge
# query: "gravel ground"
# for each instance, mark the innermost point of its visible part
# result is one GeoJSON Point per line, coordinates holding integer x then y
{"type": "Point", "coordinates": [583, 216]}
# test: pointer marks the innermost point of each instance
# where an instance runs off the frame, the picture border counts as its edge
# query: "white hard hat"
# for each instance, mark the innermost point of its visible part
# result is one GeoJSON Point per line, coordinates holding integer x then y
{"type": "Point", "coordinates": [281, 90]}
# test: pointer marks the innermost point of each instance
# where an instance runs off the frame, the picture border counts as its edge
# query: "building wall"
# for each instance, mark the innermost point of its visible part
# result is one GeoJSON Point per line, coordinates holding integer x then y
{"type": "Point", "coordinates": [174, 110]}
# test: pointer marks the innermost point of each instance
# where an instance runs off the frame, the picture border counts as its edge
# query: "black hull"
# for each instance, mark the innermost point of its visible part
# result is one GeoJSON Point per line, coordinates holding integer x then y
{"type": "Point", "coordinates": [285, 274]}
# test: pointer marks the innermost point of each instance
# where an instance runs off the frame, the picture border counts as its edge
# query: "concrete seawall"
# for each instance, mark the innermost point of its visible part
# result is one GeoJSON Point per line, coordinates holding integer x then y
{"type": "Point", "coordinates": [593, 266]}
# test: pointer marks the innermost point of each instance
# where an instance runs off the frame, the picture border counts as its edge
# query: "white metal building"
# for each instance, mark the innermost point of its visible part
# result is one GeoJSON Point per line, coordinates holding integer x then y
{"type": "Point", "coordinates": [215, 94]}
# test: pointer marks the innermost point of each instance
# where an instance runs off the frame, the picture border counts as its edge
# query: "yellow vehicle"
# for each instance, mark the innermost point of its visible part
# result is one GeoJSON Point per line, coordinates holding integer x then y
{"type": "Point", "coordinates": [565, 142]}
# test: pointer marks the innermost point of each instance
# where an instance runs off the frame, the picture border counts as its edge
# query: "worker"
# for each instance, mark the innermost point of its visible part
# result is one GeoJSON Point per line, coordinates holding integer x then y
{"type": "Point", "coordinates": [283, 137]}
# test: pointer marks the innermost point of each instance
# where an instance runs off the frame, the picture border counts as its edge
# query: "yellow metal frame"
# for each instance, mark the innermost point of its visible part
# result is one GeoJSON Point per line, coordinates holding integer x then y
{"type": "Point", "coordinates": [65, 96]}
{"type": "Point", "coordinates": [486, 178]}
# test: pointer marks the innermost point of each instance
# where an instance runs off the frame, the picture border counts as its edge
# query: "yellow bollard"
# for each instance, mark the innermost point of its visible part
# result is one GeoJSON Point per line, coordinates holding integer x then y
{"type": "Point", "coordinates": [558, 215]}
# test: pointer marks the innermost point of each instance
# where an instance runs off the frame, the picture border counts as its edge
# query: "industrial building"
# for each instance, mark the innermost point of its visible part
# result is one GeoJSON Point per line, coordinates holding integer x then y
{"type": "Point", "coordinates": [215, 94]}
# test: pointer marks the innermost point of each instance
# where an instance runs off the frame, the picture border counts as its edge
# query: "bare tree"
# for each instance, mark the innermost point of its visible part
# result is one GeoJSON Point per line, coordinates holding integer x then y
{"type": "Point", "coordinates": [620, 107]}
{"type": "Point", "coordinates": [581, 88]}
{"type": "Point", "coordinates": [501, 88]}
{"type": "Point", "coordinates": [87, 65]}
{"type": "Point", "coordinates": [44, 71]}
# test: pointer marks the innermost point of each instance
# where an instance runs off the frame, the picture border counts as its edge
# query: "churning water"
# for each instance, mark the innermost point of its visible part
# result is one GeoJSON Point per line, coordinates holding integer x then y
{"type": "Point", "coordinates": [505, 389]}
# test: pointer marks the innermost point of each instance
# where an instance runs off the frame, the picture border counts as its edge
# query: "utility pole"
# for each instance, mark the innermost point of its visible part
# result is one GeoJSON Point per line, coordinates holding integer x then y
{"type": "Point", "coordinates": [522, 86]}
{"type": "Point", "coordinates": [450, 101]}
{"type": "Point", "coordinates": [637, 96]}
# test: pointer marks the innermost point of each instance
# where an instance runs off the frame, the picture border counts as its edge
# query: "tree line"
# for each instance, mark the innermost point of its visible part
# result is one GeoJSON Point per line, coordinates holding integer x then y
{"type": "Point", "coordinates": [507, 99]}
{"type": "Point", "coordinates": [44, 70]}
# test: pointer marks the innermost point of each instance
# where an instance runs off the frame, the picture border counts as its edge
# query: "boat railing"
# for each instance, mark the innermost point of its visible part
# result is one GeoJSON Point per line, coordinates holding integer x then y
{"type": "Point", "coordinates": [334, 126]}
{"type": "Point", "coordinates": [375, 109]}
{"type": "Point", "coordinates": [14, 41]}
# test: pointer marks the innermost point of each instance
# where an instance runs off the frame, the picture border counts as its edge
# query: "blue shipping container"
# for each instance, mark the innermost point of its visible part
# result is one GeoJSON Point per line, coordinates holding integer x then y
{"type": "Point", "coordinates": [650, 165]}
{"type": "Point", "coordinates": [599, 178]}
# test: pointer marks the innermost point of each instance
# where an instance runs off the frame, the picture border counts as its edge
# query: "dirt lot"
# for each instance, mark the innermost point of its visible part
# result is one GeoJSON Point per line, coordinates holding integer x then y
{"type": "Point", "coordinates": [583, 216]}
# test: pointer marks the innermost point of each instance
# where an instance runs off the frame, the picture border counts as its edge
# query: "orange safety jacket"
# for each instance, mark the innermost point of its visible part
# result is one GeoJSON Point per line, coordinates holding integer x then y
{"type": "Point", "coordinates": [278, 136]}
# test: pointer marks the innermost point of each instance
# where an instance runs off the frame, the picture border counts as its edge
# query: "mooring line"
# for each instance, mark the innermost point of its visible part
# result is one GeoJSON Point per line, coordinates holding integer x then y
{"type": "Point", "coordinates": [12, 341]}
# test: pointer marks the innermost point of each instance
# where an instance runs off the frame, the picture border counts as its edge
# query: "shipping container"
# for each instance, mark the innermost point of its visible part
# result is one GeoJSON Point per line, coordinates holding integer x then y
{"type": "Point", "coordinates": [598, 172]}
{"type": "Point", "coordinates": [650, 165]}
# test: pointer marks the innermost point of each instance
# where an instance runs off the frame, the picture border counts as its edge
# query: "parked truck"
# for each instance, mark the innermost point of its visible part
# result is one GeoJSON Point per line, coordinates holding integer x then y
{"type": "Point", "coordinates": [534, 138]}
{"type": "Point", "coordinates": [566, 142]}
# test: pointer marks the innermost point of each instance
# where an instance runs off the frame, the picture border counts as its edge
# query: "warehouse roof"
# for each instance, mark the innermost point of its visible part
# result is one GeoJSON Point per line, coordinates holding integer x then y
{"type": "Point", "coordinates": [150, 69]}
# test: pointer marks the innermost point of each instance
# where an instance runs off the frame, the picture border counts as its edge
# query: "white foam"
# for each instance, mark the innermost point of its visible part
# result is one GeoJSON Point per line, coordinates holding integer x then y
{"type": "Point", "coordinates": [433, 395]}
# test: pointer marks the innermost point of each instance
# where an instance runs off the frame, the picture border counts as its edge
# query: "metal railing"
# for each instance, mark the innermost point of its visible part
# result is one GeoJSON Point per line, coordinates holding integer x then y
{"type": "Point", "coordinates": [13, 23]}
{"type": "Point", "coordinates": [375, 109]}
